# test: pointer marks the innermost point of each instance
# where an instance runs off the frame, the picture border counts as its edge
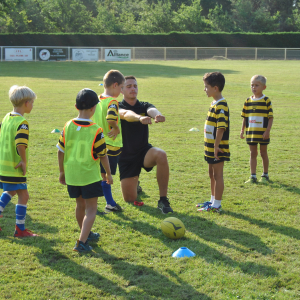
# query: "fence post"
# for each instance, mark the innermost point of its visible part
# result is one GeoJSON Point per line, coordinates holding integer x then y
{"type": "Point", "coordinates": [1, 53]}
{"type": "Point", "coordinates": [165, 53]}
{"type": "Point", "coordinates": [101, 58]}
{"type": "Point", "coordinates": [255, 53]}
{"type": "Point", "coordinates": [285, 54]}
{"type": "Point", "coordinates": [133, 53]}
{"type": "Point", "coordinates": [196, 55]}
{"type": "Point", "coordinates": [226, 52]}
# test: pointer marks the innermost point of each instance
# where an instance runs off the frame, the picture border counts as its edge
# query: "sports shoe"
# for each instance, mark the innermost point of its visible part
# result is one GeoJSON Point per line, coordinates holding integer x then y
{"type": "Point", "coordinates": [164, 206]}
{"type": "Point", "coordinates": [211, 209]}
{"type": "Point", "coordinates": [139, 188]}
{"type": "Point", "coordinates": [23, 233]}
{"type": "Point", "coordinates": [264, 179]}
{"type": "Point", "coordinates": [138, 203]}
{"type": "Point", "coordinates": [82, 247]}
{"type": "Point", "coordinates": [109, 208]}
{"type": "Point", "coordinates": [251, 180]}
{"type": "Point", "coordinates": [93, 236]}
{"type": "Point", "coordinates": [203, 204]}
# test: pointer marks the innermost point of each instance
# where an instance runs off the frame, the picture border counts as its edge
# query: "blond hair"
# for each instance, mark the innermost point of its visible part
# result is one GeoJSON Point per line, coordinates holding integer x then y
{"type": "Point", "coordinates": [18, 95]}
{"type": "Point", "coordinates": [260, 78]}
{"type": "Point", "coordinates": [113, 76]}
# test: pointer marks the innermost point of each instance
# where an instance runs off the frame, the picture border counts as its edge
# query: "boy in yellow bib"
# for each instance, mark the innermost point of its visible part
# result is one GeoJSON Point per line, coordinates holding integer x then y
{"type": "Point", "coordinates": [80, 146]}
{"type": "Point", "coordinates": [14, 155]}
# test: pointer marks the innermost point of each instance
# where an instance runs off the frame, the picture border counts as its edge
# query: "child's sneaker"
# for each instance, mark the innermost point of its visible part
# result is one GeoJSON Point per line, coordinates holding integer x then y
{"type": "Point", "coordinates": [211, 209]}
{"type": "Point", "coordinates": [164, 206]}
{"type": "Point", "coordinates": [109, 208]}
{"type": "Point", "coordinates": [93, 236]}
{"type": "Point", "coordinates": [251, 180]}
{"type": "Point", "coordinates": [264, 179]}
{"type": "Point", "coordinates": [203, 204]}
{"type": "Point", "coordinates": [82, 247]}
{"type": "Point", "coordinates": [23, 233]}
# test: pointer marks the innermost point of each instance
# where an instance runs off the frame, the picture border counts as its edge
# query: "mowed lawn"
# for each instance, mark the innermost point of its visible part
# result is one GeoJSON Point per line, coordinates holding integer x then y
{"type": "Point", "coordinates": [250, 251]}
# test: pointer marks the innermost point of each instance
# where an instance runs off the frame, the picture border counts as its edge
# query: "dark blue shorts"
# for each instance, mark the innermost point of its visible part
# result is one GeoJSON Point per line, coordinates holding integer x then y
{"type": "Point", "coordinates": [113, 163]}
{"type": "Point", "coordinates": [213, 161]}
{"type": "Point", "coordinates": [87, 191]}
{"type": "Point", "coordinates": [6, 187]}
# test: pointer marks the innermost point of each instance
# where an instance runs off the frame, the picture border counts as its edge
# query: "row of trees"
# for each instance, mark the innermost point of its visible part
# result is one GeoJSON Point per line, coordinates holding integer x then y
{"type": "Point", "coordinates": [148, 16]}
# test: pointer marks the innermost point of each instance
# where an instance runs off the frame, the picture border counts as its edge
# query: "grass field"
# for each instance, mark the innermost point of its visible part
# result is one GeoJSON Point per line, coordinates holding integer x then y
{"type": "Point", "coordinates": [250, 251]}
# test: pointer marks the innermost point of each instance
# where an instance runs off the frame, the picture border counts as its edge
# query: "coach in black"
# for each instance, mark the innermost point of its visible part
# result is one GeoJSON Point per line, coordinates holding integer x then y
{"type": "Point", "coordinates": [137, 153]}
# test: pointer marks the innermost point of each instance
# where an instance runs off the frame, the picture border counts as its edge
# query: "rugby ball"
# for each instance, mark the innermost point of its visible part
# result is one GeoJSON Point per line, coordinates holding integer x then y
{"type": "Point", "coordinates": [173, 228]}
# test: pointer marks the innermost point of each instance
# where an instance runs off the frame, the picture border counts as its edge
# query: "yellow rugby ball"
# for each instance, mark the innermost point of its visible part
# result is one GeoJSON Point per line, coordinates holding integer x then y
{"type": "Point", "coordinates": [173, 228]}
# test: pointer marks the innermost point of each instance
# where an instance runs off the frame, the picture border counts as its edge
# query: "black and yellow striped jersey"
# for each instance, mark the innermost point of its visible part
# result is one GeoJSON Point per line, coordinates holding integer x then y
{"type": "Point", "coordinates": [217, 117]}
{"type": "Point", "coordinates": [99, 145]}
{"type": "Point", "coordinates": [257, 113]}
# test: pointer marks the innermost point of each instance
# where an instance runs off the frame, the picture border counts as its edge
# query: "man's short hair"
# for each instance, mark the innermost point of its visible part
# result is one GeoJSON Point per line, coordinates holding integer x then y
{"type": "Point", "coordinates": [113, 76]}
{"type": "Point", "coordinates": [260, 78]}
{"type": "Point", "coordinates": [215, 79]}
{"type": "Point", "coordinates": [18, 95]}
{"type": "Point", "coordinates": [130, 77]}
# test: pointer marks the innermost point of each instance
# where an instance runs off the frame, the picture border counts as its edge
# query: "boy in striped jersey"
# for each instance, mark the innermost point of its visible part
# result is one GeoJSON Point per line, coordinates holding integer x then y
{"type": "Point", "coordinates": [257, 119]}
{"type": "Point", "coordinates": [14, 155]}
{"type": "Point", "coordinates": [216, 139]}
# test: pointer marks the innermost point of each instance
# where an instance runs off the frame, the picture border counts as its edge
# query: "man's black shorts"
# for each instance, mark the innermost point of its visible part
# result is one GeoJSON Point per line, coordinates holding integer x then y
{"type": "Point", "coordinates": [213, 161]}
{"type": "Point", "coordinates": [88, 191]}
{"type": "Point", "coordinates": [113, 163]}
{"type": "Point", "coordinates": [132, 167]}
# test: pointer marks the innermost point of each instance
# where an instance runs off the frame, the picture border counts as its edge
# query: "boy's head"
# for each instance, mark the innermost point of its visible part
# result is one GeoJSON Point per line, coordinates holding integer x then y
{"type": "Point", "coordinates": [215, 79]}
{"type": "Point", "coordinates": [86, 99]}
{"type": "Point", "coordinates": [258, 85]}
{"type": "Point", "coordinates": [112, 77]}
{"type": "Point", "coordinates": [260, 78]}
{"type": "Point", "coordinates": [19, 95]}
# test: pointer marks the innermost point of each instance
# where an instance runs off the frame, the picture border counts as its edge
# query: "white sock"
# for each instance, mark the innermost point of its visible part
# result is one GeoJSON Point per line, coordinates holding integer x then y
{"type": "Point", "coordinates": [212, 198]}
{"type": "Point", "coordinates": [216, 203]}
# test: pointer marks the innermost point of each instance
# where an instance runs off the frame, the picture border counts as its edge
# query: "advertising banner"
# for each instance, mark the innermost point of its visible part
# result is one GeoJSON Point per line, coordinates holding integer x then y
{"type": "Point", "coordinates": [51, 54]}
{"type": "Point", "coordinates": [85, 54]}
{"type": "Point", "coordinates": [117, 54]}
{"type": "Point", "coordinates": [18, 54]}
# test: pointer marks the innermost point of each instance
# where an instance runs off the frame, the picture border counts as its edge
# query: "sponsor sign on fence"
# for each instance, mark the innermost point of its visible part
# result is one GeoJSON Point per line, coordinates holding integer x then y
{"type": "Point", "coordinates": [52, 54]}
{"type": "Point", "coordinates": [85, 54]}
{"type": "Point", "coordinates": [117, 54]}
{"type": "Point", "coordinates": [18, 54]}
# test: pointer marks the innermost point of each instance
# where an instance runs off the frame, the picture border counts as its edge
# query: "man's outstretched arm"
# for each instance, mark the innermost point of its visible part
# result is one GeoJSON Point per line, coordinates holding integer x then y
{"type": "Point", "coordinates": [156, 115]}
{"type": "Point", "coordinates": [131, 116]}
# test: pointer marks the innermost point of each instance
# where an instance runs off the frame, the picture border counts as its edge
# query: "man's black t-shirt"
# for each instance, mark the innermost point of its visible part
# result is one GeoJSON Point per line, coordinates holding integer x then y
{"type": "Point", "coordinates": [135, 135]}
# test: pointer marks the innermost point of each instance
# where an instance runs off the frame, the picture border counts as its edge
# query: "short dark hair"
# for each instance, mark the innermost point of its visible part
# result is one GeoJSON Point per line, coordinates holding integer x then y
{"type": "Point", "coordinates": [130, 77]}
{"type": "Point", "coordinates": [215, 79]}
{"type": "Point", "coordinates": [113, 76]}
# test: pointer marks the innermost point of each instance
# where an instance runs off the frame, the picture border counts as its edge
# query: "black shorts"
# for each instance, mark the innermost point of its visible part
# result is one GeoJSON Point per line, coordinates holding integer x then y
{"type": "Point", "coordinates": [213, 161]}
{"type": "Point", "coordinates": [87, 191]}
{"type": "Point", "coordinates": [255, 143]}
{"type": "Point", "coordinates": [132, 167]}
{"type": "Point", "coordinates": [113, 163]}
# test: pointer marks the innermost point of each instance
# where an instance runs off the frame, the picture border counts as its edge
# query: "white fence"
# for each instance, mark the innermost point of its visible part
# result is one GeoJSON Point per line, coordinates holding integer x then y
{"type": "Point", "coordinates": [46, 53]}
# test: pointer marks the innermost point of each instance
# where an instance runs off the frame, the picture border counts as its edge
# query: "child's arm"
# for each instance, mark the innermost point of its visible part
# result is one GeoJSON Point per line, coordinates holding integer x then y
{"type": "Point", "coordinates": [266, 134]}
{"type": "Point", "coordinates": [112, 118]}
{"type": "Point", "coordinates": [105, 164]}
{"type": "Point", "coordinates": [61, 156]}
{"type": "Point", "coordinates": [219, 135]}
{"type": "Point", "coordinates": [22, 163]}
{"type": "Point", "coordinates": [242, 129]}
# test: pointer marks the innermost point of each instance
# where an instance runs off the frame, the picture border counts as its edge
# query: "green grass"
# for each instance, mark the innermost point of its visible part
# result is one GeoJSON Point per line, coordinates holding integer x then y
{"type": "Point", "coordinates": [251, 251]}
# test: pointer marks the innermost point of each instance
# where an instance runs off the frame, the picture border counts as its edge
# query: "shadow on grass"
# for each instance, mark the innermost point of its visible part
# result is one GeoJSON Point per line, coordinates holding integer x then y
{"type": "Point", "coordinates": [285, 230]}
{"type": "Point", "coordinates": [94, 71]}
{"type": "Point", "coordinates": [279, 185]}
{"type": "Point", "coordinates": [211, 233]}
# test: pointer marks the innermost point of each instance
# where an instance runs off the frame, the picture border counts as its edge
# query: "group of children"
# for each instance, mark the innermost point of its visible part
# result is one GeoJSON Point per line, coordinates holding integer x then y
{"type": "Point", "coordinates": [96, 135]}
{"type": "Point", "coordinates": [257, 116]}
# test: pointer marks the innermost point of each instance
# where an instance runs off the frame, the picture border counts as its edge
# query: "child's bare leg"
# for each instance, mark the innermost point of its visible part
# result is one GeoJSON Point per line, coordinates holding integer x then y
{"type": "Point", "coordinates": [80, 210]}
{"type": "Point", "coordinates": [212, 179]}
{"type": "Point", "coordinates": [89, 218]}
{"type": "Point", "coordinates": [253, 158]}
{"type": "Point", "coordinates": [23, 197]}
{"type": "Point", "coordinates": [219, 181]}
{"type": "Point", "coordinates": [265, 158]}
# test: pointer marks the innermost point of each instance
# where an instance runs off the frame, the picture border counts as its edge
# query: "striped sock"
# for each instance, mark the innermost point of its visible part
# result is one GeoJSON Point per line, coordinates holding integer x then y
{"type": "Point", "coordinates": [20, 216]}
{"type": "Point", "coordinates": [107, 193]}
{"type": "Point", "coordinates": [5, 198]}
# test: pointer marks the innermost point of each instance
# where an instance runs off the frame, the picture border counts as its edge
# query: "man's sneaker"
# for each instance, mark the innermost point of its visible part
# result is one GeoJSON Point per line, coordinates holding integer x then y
{"type": "Point", "coordinates": [203, 204]}
{"type": "Point", "coordinates": [251, 180]}
{"type": "Point", "coordinates": [93, 236]}
{"type": "Point", "coordinates": [264, 179]}
{"type": "Point", "coordinates": [109, 208]}
{"type": "Point", "coordinates": [82, 247]}
{"type": "Point", "coordinates": [211, 209]}
{"type": "Point", "coordinates": [164, 206]}
{"type": "Point", "coordinates": [139, 188]}
{"type": "Point", "coordinates": [23, 233]}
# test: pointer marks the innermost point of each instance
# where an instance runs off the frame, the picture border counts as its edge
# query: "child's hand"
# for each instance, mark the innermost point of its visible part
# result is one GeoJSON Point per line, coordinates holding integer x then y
{"type": "Point", "coordinates": [266, 135]}
{"type": "Point", "coordinates": [22, 165]}
{"type": "Point", "coordinates": [113, 133]}
{"type": "Point", "coordinates": [159, 118]}
{"type": "Point", "coordinates": [242, 135]}
{"type": "Point", "coordinates": [62, 179]}
{"type": "Point", "coordinates": [217, 149]}
{"type": "Point", "coordinates": [109, 179]}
